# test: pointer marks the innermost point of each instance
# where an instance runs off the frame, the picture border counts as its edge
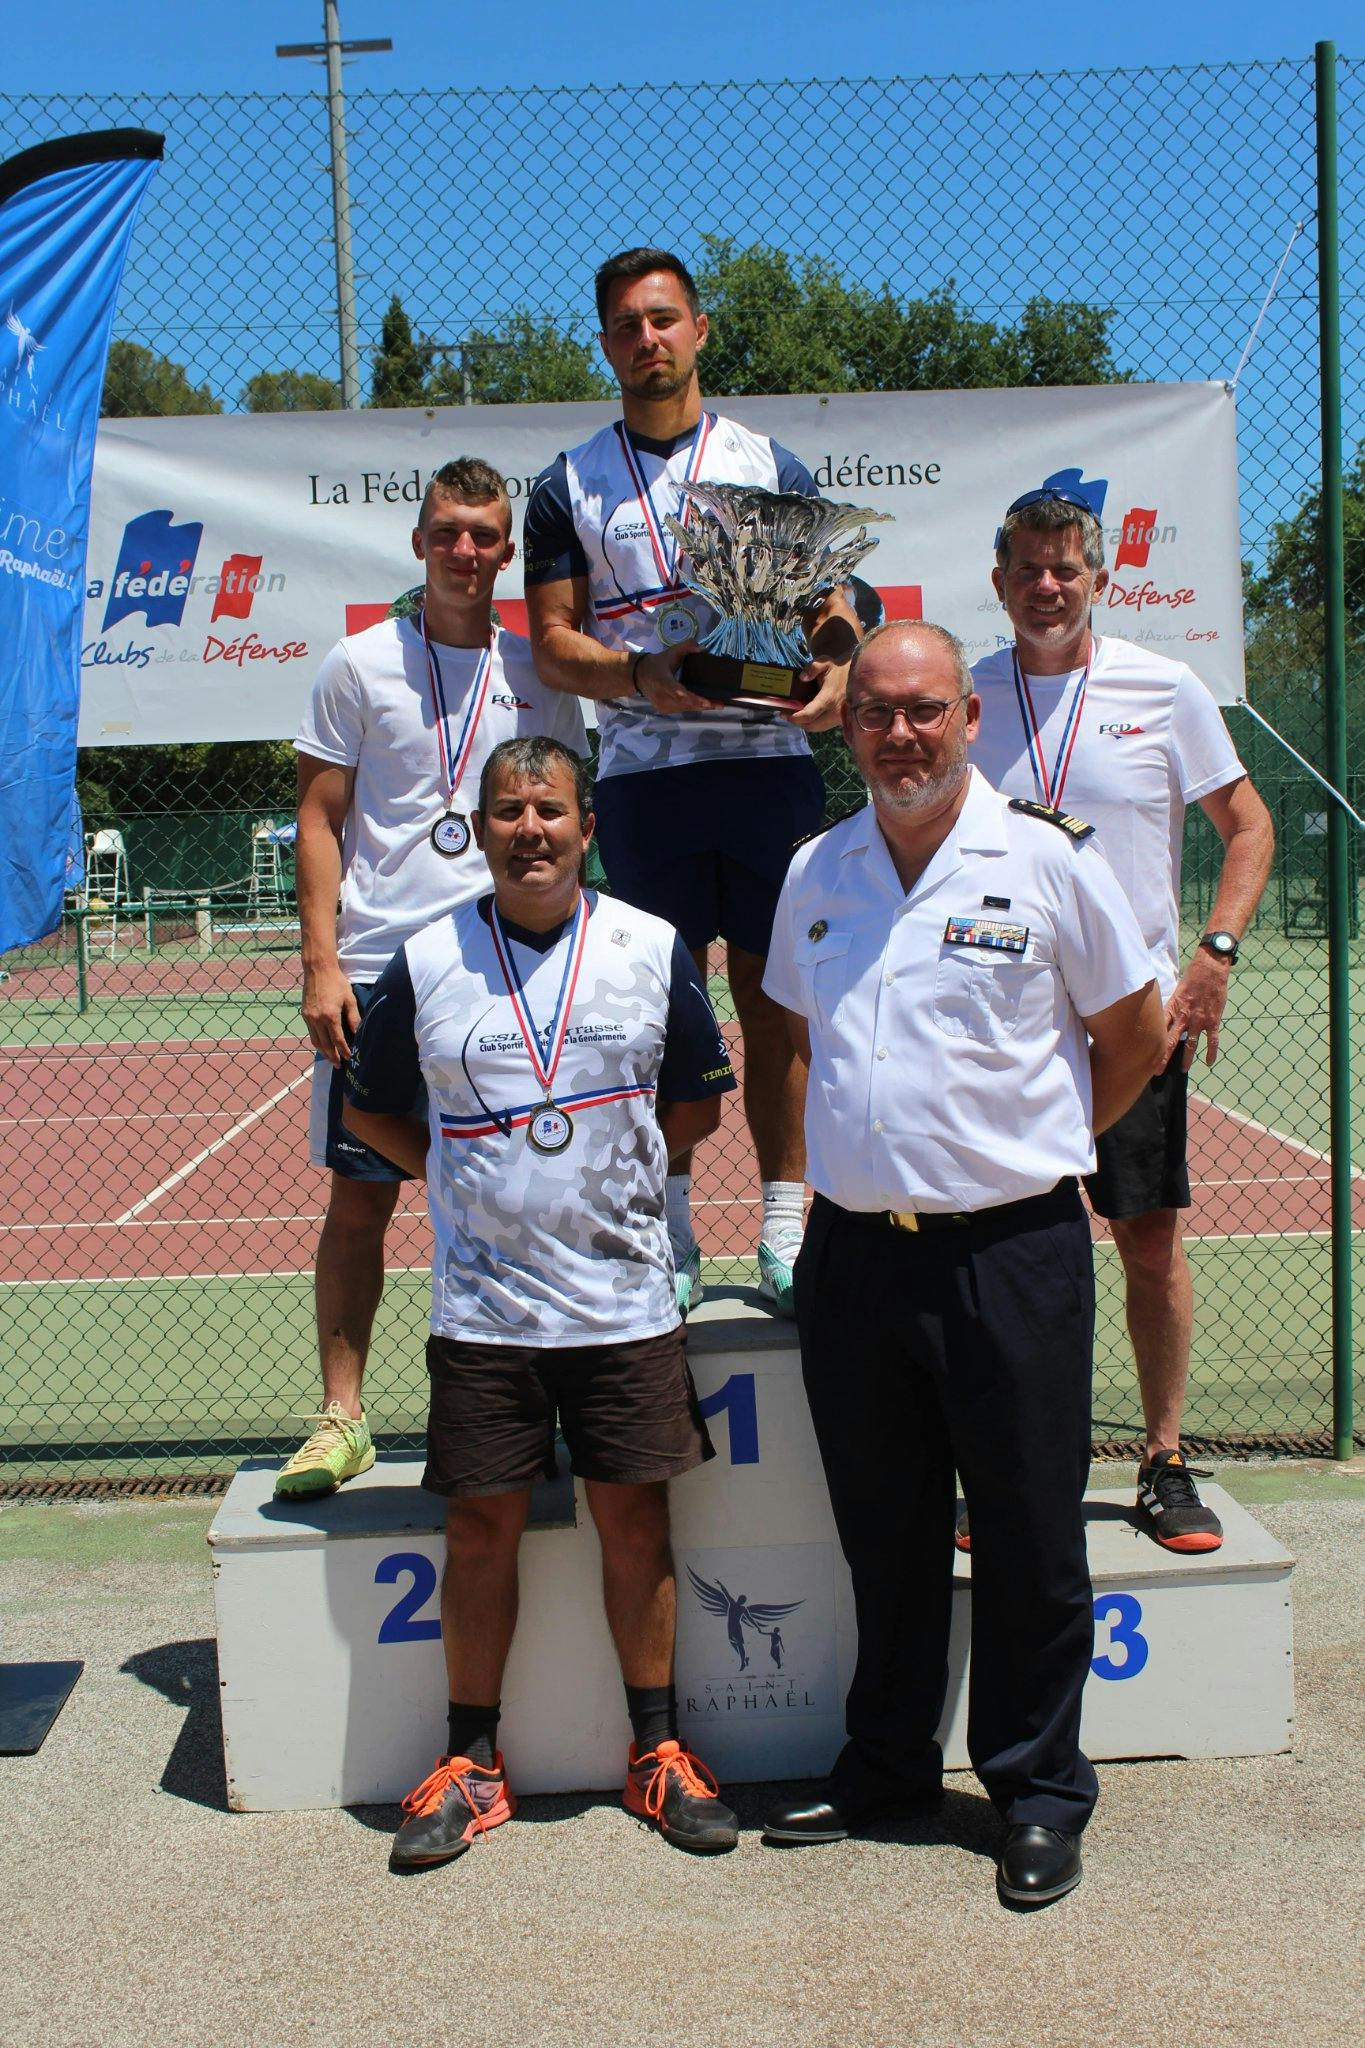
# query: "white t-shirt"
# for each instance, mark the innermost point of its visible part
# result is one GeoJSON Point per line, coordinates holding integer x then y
{"type": "Point", "coordinates": [372, 709]}
{"type": "Point", "coordinates": [568, 1246]}
{"type": "Point", "coordinates": [949, 1063]}
{"type": "Point", "coordinates": [1150, 740]}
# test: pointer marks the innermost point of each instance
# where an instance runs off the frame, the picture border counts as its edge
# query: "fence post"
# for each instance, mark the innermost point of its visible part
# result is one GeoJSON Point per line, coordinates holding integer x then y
{"type": "Point", "coordinates": [1334, 704]}
{"type": "Point", "coordinates": [82, 961]}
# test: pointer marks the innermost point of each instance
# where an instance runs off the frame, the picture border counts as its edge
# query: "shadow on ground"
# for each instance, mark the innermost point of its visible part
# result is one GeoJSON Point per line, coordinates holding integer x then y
{"type": "Point", "coordinates": [186, 1674]}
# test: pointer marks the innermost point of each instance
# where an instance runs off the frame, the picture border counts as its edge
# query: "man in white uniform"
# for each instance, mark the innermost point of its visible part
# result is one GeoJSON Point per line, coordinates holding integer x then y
{"type": "Point", "coordinates": [975, 996]}
{"type": "Point", "coordinates": [402, 719]}
{"type": "Point", "coordinates": [567, 1047]}
{"type": "Point", "coordinates": [1128, 738]}
{"type": "Point", "coordinates": [698, 804]}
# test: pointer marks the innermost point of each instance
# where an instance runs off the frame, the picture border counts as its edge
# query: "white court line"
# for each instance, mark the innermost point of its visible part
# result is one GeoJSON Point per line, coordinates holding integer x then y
{"type": "Point", "coordinates": [141, 1116]}
{"type": "Point", "coordinates": [1194, 1242]}
{"type": "Point", "coordinates": [191, 1165]}
{"type": "Point", "coordinates": [1250, 1123]}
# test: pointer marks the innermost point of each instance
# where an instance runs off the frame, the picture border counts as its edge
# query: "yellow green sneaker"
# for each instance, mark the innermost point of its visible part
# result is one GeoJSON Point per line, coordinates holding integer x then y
{"type": "Point", "coordinates": [339, 1449]}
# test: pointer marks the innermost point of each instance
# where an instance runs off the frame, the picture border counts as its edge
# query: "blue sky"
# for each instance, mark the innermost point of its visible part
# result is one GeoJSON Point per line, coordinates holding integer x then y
{"type": "Point", "coordinates": [167, 46]}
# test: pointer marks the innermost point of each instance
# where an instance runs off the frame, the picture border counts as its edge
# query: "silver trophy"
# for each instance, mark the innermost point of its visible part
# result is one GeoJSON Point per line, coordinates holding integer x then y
{"type": "Point", "coordinates": [763, 560]}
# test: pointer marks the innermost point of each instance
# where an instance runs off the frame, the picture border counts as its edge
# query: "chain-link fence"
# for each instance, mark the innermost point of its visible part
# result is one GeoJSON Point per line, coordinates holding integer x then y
{"type": "Point", "coordinates": [160, 1217]}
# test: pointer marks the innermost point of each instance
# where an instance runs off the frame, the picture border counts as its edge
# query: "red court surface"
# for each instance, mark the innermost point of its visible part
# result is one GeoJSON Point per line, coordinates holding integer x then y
{"type": "Point", "coordinates": [160, 1161]}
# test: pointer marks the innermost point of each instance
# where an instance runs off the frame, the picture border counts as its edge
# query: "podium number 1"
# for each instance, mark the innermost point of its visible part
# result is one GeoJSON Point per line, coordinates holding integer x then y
{"type": "Point", "coordinates": [736, 1399]}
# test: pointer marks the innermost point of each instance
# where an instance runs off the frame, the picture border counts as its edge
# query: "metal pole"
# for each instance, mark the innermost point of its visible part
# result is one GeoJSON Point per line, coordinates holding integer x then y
{"type": "Point", "coordinates": [341, 212]}
{"type": "Point", "coordinates": [1334, 701]}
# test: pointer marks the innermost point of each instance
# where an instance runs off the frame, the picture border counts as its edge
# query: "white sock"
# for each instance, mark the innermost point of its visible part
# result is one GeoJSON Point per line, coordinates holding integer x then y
{"type": "Point", "coordinates": [783, 1201]}
{"type": "Point", "coordinates": [678, 1210]}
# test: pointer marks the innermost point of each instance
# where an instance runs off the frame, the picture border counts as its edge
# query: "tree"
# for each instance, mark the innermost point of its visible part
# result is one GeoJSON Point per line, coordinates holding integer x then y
{"type": "Point", "coordinates": [525, 361]}
{"type": "Point", "coordinates": [1293, 577]}
{"type": "Point", "coordinates": [139, 384]}
{"type": "Point", "coordinates": [401, 365]}
{"type": "Point", "coordinates": [777, 326]}
{"type": "Point", "coordinates": [291, 391]}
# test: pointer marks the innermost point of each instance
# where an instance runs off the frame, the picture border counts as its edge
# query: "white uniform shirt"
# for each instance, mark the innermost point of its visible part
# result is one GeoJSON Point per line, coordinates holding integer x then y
{"type": "Point", "coordinates": [568, 1247]}
{"type": "Point", "coordinates": [1150, 741]}
{"type": "Point", "coordinates": [372, 710]}
{"type": "Point", "coordinates": [626, 590]}
{"type": "Point", "coordinates": [947, 1074]}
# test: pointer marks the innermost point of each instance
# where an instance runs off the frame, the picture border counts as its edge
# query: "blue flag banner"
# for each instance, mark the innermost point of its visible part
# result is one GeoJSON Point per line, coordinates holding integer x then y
{"type": "Point", "coordinates": [66, 213]}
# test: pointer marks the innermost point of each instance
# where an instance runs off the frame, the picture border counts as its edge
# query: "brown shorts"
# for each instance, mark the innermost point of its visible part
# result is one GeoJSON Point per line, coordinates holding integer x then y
{"type": "Point", "coordinates": [629, 1413]}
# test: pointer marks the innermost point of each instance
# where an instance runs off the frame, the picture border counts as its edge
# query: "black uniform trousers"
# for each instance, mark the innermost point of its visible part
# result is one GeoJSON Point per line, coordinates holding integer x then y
{"type": "Point", "coordinates": [971, 1348]}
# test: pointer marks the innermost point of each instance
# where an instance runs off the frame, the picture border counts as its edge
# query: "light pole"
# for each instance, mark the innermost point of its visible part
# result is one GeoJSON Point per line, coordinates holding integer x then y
{"type": "Point", "coordinates": [333, 49]}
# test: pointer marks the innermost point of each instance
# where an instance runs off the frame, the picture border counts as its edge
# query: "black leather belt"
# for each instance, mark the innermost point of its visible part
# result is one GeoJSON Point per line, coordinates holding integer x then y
{"type": "Point", "coordinates": [919, 1220]}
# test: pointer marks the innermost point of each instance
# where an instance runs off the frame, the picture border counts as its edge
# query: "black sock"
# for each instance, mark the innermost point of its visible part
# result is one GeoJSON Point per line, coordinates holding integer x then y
{"type": "Point", "coordinates": [653, 1711]}
{"type": "Point", "coordinates": [473, 1732]}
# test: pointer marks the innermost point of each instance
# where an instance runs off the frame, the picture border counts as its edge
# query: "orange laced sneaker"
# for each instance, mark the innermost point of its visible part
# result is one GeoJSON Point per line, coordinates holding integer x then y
{"type": "Point", "coordinates": [447, 1810]}
{"type": "Point", "coordinates": [674, 1791]}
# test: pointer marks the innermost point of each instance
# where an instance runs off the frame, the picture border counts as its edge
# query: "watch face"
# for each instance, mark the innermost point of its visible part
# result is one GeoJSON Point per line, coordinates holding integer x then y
{"type": "Point", "coordinates": [1222, 945]}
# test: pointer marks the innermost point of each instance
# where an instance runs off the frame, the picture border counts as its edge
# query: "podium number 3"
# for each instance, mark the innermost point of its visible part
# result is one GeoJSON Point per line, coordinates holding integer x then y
{"type": "Point", "coordinates": [399, 1624]}
{"type": "Point", "coordinates": [1128, 1648]}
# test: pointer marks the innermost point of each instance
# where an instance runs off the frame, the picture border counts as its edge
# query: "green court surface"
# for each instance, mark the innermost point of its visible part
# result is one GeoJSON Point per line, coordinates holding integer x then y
{"type": "Point", "coordinates": [185, 1374]}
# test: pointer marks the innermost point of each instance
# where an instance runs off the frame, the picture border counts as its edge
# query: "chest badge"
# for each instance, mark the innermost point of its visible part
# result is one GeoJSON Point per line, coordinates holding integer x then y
{"type": "Point", "coordinates": [817, 931]}
{"type": "Point", "coordinates": [990, 932]}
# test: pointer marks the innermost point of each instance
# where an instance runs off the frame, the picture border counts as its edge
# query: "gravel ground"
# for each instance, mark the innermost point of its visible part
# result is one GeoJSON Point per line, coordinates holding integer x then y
{"type": "Point", "coordinates": [1222, 1902]}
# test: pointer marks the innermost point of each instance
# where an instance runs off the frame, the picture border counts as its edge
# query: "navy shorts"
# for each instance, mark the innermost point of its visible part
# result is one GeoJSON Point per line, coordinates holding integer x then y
{"type": "Point", "coordinates": [329, 1142]}
{"type": "Point", "coordinates": [707, 846]}
{"type": "Point", "coordinates": [1140, 1162]}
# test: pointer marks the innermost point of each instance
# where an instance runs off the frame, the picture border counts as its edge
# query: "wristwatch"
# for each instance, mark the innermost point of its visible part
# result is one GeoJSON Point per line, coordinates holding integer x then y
{"type": "Point", "coordinates": [1222, 945]}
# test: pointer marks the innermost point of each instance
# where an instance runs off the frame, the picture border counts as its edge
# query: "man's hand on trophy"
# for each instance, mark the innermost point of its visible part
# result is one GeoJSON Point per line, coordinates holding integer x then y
{"type": "Point", "coordinates": [656, 680]}
{"type": "Point", "coordinates": [821, 710]}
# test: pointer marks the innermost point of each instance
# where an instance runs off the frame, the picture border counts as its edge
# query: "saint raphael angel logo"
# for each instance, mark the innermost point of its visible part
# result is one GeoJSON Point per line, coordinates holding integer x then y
{"type": "Point", "coordinates": [738, 1614]}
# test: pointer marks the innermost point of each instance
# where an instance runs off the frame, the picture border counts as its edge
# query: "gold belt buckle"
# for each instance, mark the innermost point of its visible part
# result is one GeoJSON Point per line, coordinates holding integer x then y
{"type": "Point", "coordinates": [903, 1219]}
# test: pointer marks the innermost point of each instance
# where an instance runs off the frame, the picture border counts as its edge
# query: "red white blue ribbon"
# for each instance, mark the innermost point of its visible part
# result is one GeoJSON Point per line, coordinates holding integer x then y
{"type": "Point", "coordinates": [514, 1119]}
{"type": "Point", "coordinates": [455, 760]}
{"type": "Point", "coordinates": [666, 551]}
{"type": "Point", "coordinates": [543, 1065]}
{"type": "Point", "coordinates": [1050, 786]}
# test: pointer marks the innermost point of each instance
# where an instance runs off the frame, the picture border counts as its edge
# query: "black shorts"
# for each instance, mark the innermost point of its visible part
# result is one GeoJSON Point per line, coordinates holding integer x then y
{"type": "Point", "coordinates": [629, 1413]}
{"type": "Point", "coordinates": [1140, 1160]}
{"type": "Point", "coordinates": [707, 846]}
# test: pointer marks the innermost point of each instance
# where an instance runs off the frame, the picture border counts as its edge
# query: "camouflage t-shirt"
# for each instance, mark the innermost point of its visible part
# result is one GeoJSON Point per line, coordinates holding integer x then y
{"type": "Point", "coordinates": [547, 1198]}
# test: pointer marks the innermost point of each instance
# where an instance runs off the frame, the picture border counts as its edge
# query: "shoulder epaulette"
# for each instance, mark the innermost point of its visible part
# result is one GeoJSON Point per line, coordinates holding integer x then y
{"type": "Point", "coordinates": [828, 826]}
{"type": "Point", "coordinates": [1075, 828]}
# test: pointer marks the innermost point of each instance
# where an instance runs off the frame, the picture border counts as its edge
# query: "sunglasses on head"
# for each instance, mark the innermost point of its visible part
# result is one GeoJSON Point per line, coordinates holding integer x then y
{"type": "Point", "coordinates": [1050, 491]}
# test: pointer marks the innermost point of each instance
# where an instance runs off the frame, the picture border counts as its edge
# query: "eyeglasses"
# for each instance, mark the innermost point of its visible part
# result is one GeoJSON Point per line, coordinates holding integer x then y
{"type": "Point", "coordinates": [924, 714]}
{"type": "Point", "coordinates": [1053, 491]}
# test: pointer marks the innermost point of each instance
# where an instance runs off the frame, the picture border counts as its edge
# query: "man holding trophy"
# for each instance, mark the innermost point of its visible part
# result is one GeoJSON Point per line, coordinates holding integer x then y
{"type": "Point", "coordinates": [698, 801]}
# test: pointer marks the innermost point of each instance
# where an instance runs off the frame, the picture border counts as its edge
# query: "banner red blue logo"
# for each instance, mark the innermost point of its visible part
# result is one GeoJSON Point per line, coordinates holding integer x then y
{"type": "Point", "coordinates": [67, 210]}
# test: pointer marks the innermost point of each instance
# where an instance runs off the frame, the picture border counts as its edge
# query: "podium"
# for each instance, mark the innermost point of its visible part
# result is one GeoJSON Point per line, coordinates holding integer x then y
{"type": "Point", "coordinates": [333, 1687]}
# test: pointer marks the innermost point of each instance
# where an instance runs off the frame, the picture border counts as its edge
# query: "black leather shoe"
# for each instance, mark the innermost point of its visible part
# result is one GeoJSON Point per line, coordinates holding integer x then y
{"type": "Point", "coordinates": [834, 1811]}
{"type": "Point", "coordinates": [1037, 1865]}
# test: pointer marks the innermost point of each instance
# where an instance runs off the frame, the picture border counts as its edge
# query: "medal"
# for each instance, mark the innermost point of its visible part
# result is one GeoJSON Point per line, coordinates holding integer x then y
{"type": "Point", "coordinates": [450, 834]}
{"type": "Point", "coordinates": [675, 623]}
{"type": "Point", "coordinates": [1050, 787]}
{"type": "Point", "coordinates": [550, 1129]}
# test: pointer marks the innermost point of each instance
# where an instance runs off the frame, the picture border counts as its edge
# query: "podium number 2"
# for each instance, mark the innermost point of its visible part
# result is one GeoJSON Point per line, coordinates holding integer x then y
{"type": "Point", "coordinates": [736, 1399]}
{"type": "Point", "coordinates": [1128, 1648]}
{"type": "Point", "coordinates": [399, 1625]}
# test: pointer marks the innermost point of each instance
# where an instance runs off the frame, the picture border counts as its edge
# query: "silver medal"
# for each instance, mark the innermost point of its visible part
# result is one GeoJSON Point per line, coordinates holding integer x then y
{"type": "Point", "coordinates": [550, 1129]}
{"type": "Point", "coordinates": [674, 623]}
{"type": "Point", "coordinates": [450, 834]}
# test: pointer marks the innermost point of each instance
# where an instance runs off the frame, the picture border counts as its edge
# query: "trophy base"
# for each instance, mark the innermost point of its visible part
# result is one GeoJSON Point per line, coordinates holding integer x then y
{"type": "Point", "coordinates": [759, 685]}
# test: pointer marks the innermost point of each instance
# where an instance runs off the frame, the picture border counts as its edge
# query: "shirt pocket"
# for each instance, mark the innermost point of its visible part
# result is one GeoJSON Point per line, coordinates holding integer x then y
{"type": "Point", "coordinates": [822, 970]}
{"type": "Point", "coordinates": [981, 992]}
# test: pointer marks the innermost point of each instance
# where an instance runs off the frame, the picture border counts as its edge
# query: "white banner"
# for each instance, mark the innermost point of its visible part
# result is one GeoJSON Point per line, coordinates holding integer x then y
{"type": "Point", "coordinates": [228, 553]}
